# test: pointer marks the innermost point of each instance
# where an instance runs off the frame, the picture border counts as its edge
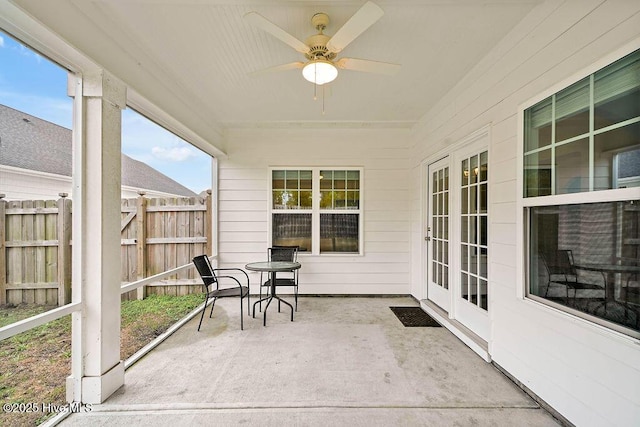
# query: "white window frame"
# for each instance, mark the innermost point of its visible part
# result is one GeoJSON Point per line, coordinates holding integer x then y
{"type": "Point", "coordinates": [523, 203]}
{"type": "Point", "coordinates": [315, 210]}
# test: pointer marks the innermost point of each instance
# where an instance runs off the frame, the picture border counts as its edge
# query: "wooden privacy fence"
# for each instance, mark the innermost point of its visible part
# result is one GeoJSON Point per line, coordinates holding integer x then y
{"type": "Point", "coordinates": [157, 234]}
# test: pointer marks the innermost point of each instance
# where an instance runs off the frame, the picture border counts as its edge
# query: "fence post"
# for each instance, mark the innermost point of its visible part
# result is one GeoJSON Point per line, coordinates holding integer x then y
{"type": "Point", "coordinates": [141, 241]}
{"type": "Point", "coordinates": [208, 223]}
{"type": "Point", "coordinates": [64, 249]}
{"type": "Point", "coordinates": [3, 251]}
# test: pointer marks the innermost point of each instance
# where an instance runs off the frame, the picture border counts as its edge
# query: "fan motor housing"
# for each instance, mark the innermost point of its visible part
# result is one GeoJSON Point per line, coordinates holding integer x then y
{"type": "Point", "coordinates": [318, 47]}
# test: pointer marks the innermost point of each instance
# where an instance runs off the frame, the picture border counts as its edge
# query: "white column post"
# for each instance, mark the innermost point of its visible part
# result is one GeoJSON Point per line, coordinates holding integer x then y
{"type": "Point", "coordinates": [97, 370]}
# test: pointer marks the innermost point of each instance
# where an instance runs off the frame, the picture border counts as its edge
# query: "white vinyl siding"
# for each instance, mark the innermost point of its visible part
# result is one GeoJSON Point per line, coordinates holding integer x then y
{"type": "Point", "coordinates": [586, 373]}
{"type": "Point", "coordinates": [383, 156]}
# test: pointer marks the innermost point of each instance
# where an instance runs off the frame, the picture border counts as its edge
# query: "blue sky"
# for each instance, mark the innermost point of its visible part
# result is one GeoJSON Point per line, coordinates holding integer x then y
{"type": "Point", "coordinates": [35, 85]}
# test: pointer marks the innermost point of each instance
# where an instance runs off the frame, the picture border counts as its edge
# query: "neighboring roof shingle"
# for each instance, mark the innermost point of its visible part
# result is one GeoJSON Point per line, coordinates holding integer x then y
{"type": "Point", "coordinates": [28, 142]}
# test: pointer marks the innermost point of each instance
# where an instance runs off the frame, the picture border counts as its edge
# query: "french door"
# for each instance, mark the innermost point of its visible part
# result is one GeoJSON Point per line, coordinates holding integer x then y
{"type": "Point", "coordinates": [437, 234]}
{"type": "Point", "coordinates": [471, 301]}
{"type": "Point", "coordinates": [456, 234]}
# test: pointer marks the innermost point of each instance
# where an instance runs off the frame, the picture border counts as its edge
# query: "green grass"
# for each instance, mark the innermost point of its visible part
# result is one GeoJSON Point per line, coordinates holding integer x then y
{"type": "Point", "coordinates": [173, 308]}
{"type": "Point", "coordinates": [34, 364]}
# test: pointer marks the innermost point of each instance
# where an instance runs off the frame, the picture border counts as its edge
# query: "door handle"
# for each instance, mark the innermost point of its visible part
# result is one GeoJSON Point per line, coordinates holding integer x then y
{"type": "Point", "coordinates": [427, 238]}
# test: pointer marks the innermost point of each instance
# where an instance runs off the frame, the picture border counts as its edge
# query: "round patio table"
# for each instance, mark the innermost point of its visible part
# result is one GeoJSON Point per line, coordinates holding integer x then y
{"type": "Point", "coordinates": [272, 268]}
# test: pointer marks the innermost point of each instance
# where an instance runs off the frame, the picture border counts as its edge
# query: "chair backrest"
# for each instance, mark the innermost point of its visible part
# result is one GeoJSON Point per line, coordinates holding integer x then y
{"type": "Point", "coordinates": [283, 253]}
{"type": "Point", "coordinates": [203, 265]}
{"type": "Point", "coordinates": [560, 262]}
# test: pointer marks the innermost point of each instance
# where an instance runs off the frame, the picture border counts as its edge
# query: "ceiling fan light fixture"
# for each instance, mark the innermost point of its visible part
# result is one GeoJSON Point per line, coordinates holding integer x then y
{"type": "Point", "coordinates": [319, 71]}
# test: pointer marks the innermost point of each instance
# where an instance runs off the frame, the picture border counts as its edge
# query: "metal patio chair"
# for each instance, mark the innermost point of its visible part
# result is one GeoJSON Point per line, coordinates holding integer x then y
{"type": "Point", "coordinates": [210, 280]}
{"type": "Point", "coordinates": [560, 264]}
{"type": "Point", "coordinates": [282, 253]}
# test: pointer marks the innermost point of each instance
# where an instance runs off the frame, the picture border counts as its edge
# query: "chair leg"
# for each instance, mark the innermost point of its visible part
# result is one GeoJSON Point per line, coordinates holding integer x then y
{"type": "Point", "coordinates": [204, 308]}
{"type": "Point", "coordinates": [295, 291]}
{"type": "Point", "coordinates": [212, 305]}
{"type": "Point", "coordinates": [547, 290]}
{"type": "Point", "coordinates": [241, 315]}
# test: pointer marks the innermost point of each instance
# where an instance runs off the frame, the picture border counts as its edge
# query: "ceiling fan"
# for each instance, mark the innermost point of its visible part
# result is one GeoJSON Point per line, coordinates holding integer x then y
{"type": "Point", "coordinates": [320, 50]}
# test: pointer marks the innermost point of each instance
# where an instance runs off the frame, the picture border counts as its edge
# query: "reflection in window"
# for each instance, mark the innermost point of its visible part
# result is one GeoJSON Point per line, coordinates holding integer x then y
{"type": "Point", "coordinates": [292, 230]}
{"type": "Point", "coordinates": [339, 189]}
{"type": "Point", "coordinates": [333, 216]}
{"type": "Point", "coordinates": [291, 189]}
{"type": "Point", "coordinates": [586, 257]}
{"type": "Point", "coordinates": [572, 138]}
{"type": "Point", "coordinates": [627, 165]}
{"type": "Point", "coordinates": [339, 233]}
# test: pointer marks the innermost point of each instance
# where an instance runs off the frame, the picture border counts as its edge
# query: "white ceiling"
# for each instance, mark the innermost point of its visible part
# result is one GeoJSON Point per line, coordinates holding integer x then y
{"type": "Point", "coordinates": [194, 56]}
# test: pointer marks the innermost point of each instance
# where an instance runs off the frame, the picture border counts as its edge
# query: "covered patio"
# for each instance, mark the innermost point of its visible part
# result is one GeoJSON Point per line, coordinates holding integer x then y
{"type": "Point", "coordinates": [343, 361]}
{"type": "Point", "coordinates": [428, 170]}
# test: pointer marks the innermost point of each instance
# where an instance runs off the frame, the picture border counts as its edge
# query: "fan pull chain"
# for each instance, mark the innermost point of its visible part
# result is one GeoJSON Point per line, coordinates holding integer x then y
{"type": "Point", "coordinates": [315, 79]}
{"type": "Point", "coordinates": [323, 100]}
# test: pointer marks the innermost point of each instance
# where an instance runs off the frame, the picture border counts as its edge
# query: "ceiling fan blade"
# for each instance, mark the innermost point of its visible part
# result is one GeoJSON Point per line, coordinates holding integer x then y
{"type": "Point", "coordinates": [264, 24]}
{"type": "Point", "coordinates": [283, 67]}
{"type": "Point", "coordinates": [368, 66]}
{"type": "Point", "coordinates": [365, 17]}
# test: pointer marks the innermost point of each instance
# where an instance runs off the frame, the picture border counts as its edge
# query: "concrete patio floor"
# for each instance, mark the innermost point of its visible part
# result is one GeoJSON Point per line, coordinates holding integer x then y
{"type": "Point", "coordinates": [343, 361]}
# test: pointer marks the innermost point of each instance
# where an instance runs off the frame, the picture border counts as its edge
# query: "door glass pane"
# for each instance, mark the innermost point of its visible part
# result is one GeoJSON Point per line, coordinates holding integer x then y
{"type": "Point", "coordinates": [439, 225]}
{"type": "Point", "coordinates": [464, 257]}
{"type": "Point", "coordinates": [473, 199]}
{"type": "Point", "coordinates": [473, 289]}
{"type": "Point", "coordinates": [473, 229]}
{"type": "Point", "coordinates": [464, 286]}
{"type": "Point", "coordinates": [483, 230]}
{"type": "Point", "coordinates": [434, 271]}
{"type": "Point", "coordinates": [446, 203]}
{"type": "Point", "coordinates": [464, 229]}
{"type": "Point", "coordinates": [465, 172]}
{"type": "Point", "coordinates": [484, 167]}
{"type": "Point", "coordinates": [483, 265]}
{"type": "Point", "coordinates": [446, 253]}
{"type": "Point", "coordinates": [474, 169]}
{"type": "Point", "coordinates": [473, 259]}
{"type": "Point", "coordinates": [473, 225]}
{"type": "Point", "coordinates": [445, 228]}
{"type": "Point", "coordinates": [464, 200]}
{"type": "Point", "coordinates": [483, 198]}
{"type": "Point", "coordinates": [483, 295]}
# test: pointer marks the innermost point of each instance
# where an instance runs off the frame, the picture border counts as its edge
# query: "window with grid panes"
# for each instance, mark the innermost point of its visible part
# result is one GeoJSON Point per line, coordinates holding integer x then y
{"type": "Point", "coordinates": [317, 209]}
{"type": "Point", "coordinates": [586, 139]}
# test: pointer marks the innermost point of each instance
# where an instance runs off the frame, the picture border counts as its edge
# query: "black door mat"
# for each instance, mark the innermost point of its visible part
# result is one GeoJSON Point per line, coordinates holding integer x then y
{"type": "Point", "coordinates": [414, 317]}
